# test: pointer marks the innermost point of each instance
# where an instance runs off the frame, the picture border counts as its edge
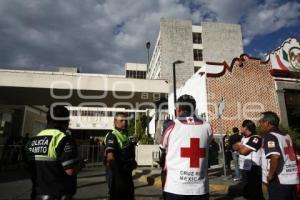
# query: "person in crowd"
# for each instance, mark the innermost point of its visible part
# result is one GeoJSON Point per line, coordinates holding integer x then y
{"type": "Point", "coordinates": [119, 159]}
{"type": "Point", "coordinates": [234, 138]}
{"type": "Point", "coordinates": [184, 153]}
{"type": "Point", "coordinates": [250, 161]}
{"type": "Point", "coordinates": [53, 159]}
{"type": "Point", "coordinates": [227, 151]}
{"type": "Point", "coordinates": [279, 165]}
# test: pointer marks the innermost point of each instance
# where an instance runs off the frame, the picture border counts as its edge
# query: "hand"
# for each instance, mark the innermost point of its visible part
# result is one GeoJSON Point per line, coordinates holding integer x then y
{"type": "Point", "coordinates": [135, 165]}
{"type": "Point", "coordinates": [270, 177]}
{"type": "Point", "coordinates": [236, 146]}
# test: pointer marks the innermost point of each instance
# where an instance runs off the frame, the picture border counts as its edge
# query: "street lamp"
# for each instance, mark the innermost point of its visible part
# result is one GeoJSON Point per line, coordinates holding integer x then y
{"type": "Point", "coordinates": [148, 45]}
{"type": "Point", "coordinates": [174, 83]}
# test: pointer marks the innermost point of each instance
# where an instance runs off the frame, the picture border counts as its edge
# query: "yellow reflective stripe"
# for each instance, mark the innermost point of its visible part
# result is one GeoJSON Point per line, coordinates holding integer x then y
{"type": "Point", "coordinates": [120, 137]}
{"type": "Point", "coordinates": [57, 136]}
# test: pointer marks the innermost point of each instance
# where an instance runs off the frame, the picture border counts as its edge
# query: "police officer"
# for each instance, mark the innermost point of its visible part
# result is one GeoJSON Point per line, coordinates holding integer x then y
{"type": "Point", "coordinates": [184, 151]}
{"type": "Point", "coordinates": [53, 159]}
{"type": "Point", "coordinates": [250, 161]}
{"type": "Point", "coordinates": [119, 159]}
{"type": "Point", "coordinates": [279, 167]}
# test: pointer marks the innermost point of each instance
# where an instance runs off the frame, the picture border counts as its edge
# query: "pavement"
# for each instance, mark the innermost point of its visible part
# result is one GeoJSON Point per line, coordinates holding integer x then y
{"type": "Point", "coordinates": [219, 185]}
{"type": "Point", "coordinates": [15, 184]}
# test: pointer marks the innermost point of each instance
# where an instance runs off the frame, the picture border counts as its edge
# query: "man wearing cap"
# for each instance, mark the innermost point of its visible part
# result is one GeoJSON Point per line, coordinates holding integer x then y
{"type": "Point", "coordinates": [279, 166]}
{"type": "Point", "coordinates": [184, 152]}
{"type": "Point", "coordinates": [53, 159]}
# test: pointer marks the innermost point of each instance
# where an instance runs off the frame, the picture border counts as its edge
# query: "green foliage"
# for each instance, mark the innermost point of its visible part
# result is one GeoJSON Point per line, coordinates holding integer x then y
{"type": "Point", "coordinates": [131, 127]}
{"type": "Point", "coordinates": [141, 125]}
{"type": "Point", "coordinates": [285, 56]}
{"type": "Point", "coordinates": [293, 132]}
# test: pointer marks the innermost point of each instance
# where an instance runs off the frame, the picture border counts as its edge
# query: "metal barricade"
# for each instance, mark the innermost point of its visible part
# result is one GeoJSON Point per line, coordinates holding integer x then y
{"type": "Point", "coordinates": [11, 156]}
{"type": "Point", "coordinates": [91, 154]}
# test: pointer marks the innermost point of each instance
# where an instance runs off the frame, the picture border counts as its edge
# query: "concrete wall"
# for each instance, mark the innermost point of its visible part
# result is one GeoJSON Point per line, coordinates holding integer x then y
{"type": "Point", "coordinates": [176, 44]}
{"type": "Point", "coordinates": [144, 154]}
{"type": "Point", "coordinates": [34, 121]}
{"type": "Point", "coordinates": [221, 41]}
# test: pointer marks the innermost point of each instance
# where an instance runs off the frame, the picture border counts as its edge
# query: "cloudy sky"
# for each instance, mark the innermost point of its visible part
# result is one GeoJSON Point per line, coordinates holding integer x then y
{"type": "Point", "coordinates": [101, 35]}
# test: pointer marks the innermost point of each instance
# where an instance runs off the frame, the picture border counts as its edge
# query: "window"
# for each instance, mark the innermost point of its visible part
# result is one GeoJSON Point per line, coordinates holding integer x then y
{"type": "Point", "coordinates": [196, 69]}
{"type": "Point", "coordinates": [198, 55]}
{"type": "Point", "coordinates": [135, 74]}
{"type": "Point", "coordinates": [74, 112]}
{"type": "Point", "coordinates": [197, 38]}
{"type": "Point", "coordinates": [142, 75]}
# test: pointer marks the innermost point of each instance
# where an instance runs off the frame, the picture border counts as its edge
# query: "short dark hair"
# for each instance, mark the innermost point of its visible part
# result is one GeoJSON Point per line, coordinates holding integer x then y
{"type": "Point", "coordinates": [235, 130]}
{"type": "Point", "coordinates": [250, 125]}
{"type": "Point", "coordinates": [186, 103]}
{"type": "Point", "coordinates": [270, 117]}
{"type": "Point", "coordinates": [58, 114]}
{"type": "Point", "coordinates": [120, 114]}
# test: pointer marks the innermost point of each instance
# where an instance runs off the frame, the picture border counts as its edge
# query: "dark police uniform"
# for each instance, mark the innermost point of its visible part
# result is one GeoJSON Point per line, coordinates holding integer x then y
{"type": "Point", "coordinates": [51, 152]}
{"type": "Point", "coordinates": [119, 174]}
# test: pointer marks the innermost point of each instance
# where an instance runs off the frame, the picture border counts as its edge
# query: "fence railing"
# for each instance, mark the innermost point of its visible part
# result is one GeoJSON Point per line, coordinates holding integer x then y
{"type": "Point", "coordinates": [92, 155]}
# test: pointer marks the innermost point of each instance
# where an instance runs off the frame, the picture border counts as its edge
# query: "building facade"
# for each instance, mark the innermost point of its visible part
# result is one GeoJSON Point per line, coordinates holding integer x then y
{"type": "Point", "coordinates": [247, 86]}
{"type": "Point", "coordinates": [135, 70]}
{"type": "Point", "coordinates": [194, 45]}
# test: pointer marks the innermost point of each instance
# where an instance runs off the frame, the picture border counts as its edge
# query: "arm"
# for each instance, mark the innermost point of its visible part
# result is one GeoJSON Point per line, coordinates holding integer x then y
{"type": "Point", "coordinates": [110, 158]}
{"type": "Point", "coordinates": [167, 129]}
{"type": "Point", "coordinates": [72, 172]}
{"type": "Point", "coordinates": [253, 144]}
{"type": "Point", "coordinates": [274, 163]}
{"type": "Point", "coordinates": [272, 152]}
{"type": "Point", "coordinates": [68, 156]}
{"type": "Point", "coordinates": [111, 145]}
{"type": "Point", "coordinates": [241, 149]}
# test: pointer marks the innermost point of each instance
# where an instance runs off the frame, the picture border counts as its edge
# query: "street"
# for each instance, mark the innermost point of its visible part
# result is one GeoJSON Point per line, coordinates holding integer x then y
{"type": "Point", "coordinates": [15, 184]}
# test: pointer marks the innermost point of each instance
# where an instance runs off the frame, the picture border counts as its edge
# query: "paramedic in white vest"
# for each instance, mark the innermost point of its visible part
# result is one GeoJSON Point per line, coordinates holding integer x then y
{"type": "Point", "coordinates": [184, 153]}
{"type": "Point", "coordinates": [250, 161]}
{"type": "Point", "coordinates": [279, 165]}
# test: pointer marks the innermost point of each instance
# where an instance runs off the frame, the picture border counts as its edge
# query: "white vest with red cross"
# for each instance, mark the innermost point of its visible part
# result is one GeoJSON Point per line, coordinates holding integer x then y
{"type": "Point", "coordinates": [186, 158]}
{"type": "Point", "coordinates": [287, 172]}
{"type": "Point", "coordinates": [253, 158]}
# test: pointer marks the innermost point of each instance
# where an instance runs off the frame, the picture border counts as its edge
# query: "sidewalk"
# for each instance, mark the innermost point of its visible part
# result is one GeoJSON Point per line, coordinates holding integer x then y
{"type": "Point", "coordinates": [15, 184]}
{"type": "Point", "coordinates": [219, 185]}
{"type": "Point", "coordinates": [217, 182]}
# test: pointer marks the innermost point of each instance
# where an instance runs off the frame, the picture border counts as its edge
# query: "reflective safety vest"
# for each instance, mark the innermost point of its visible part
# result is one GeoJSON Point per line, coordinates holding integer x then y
{"type": "Point", "coordinates": [43, 146]}
{"type": "Point", "coordinates": [126, 151]}
{"type": "Point", "coordinates": [287, 171]}
{"type": "Point", "coordinates": [122, 138]}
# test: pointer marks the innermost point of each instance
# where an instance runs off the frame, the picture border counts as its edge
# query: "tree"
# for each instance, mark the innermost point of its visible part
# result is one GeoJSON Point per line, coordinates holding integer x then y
{"type": "Point", "coordinates": [140, 132]}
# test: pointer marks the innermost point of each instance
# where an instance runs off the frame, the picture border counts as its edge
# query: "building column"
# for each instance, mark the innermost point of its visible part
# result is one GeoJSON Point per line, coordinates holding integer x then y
{"type": "Point", "coordinates": [282, 108]}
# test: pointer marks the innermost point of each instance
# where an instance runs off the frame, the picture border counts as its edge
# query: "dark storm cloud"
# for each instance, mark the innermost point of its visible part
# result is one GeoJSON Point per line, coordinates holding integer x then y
{"type": "Point", "coordinates": [101, 36]}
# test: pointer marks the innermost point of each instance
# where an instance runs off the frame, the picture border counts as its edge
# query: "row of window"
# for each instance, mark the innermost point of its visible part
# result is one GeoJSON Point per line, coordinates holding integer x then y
{"type": "Point", "coordinates": [95, 113]}
{"type": "Point", "coordinates": [135, 74]}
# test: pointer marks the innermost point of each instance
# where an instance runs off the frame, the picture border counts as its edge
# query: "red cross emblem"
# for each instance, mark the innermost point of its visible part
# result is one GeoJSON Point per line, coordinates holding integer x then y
{"type": "Point", "coordinates": [289, 151]}
{"type": "Point", "coordinates": [194, 152]}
